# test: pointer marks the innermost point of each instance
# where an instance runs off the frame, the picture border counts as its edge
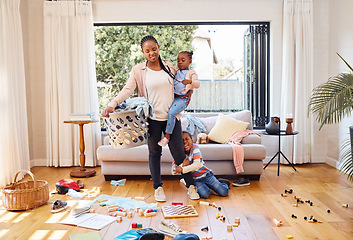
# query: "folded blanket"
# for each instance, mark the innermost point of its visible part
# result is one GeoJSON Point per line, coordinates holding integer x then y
{"type": "Point", "coordinates": [238, 151]}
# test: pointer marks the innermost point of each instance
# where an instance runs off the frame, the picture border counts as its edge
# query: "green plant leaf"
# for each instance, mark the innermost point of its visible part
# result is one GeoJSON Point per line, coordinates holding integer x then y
{"type": "Point", "coordinates": [346, 162]}
{"type": "Point", "coordinates": [333, 100]}
{"type": "Point", "coordinates": [345, 62]}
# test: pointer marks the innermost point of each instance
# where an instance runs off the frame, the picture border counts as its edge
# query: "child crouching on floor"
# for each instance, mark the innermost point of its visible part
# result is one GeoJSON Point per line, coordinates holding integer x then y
{"type": "Point", "coordinates": [204, 178]}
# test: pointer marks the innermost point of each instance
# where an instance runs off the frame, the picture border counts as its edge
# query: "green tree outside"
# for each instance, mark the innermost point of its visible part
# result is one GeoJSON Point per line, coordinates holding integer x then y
{"type": "Point", "coordinates": [118, 49]}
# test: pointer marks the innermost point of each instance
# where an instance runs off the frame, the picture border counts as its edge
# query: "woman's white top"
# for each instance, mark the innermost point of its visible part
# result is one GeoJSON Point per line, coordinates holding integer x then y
{"type": "Point", "coordinates": [160, 92]}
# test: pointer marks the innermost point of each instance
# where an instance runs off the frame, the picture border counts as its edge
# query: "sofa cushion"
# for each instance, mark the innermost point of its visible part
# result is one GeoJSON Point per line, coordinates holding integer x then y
{"type": "Point", "coordinates": [225, 127]}
{"type": "Point", "coordinates": [210, 151]}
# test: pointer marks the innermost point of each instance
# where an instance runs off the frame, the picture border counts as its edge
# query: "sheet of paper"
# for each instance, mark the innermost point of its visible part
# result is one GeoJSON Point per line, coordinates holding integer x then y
{"type": "Point", "coordinates": [89, 220]}
{"type": "Point", "coordinates": [77, 220]}
{"type": "Point", "coordinates": [97, 222]}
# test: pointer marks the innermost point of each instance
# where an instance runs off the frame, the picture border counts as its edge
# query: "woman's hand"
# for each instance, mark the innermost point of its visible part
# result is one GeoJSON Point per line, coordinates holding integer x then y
{"type": "Point", "coordinates": [106, 111]}
{"type": "Point", "coordinates": [188, 95]}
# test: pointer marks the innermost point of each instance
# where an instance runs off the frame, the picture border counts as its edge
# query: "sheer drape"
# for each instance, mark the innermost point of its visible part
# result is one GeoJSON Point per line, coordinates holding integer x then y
{"type": "Point", "coordinates": [14, 153]}
{"type": "Point", "coordinates": [70, 80]}
{"type": "Point", "coordinates": [297, 75]}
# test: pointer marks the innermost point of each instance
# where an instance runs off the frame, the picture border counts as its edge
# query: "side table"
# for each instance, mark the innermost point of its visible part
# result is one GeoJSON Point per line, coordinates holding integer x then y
{"type": "Point", "coordinates": [82, 172]}
{"type": "Point", "coordinates": [279, 153]}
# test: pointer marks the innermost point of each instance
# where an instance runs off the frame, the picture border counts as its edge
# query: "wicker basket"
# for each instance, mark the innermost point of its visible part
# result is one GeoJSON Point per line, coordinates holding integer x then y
{"type": "Point", "coordinates": [25, 195]}
{"type": "Point", "coordinates": [126, 129]}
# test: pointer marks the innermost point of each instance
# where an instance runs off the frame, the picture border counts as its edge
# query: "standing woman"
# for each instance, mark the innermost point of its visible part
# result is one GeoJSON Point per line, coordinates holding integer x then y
{"type": "Point", "coordinates": [154, 81]}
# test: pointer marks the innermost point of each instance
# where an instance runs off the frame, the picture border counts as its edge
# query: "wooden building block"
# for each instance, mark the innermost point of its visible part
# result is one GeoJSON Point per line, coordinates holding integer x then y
{"type": "Point", "coordinates": [204, 203]}
{"type": "Point", "coordinates": [112, 210]}
{"type": "Point", "coordinates": [277, 222]}
{"type": "Point", "coordinates": [113, 206]}
{"type": "Point", "coordinates": [119, 218]}
{"type": "Point", "coordinates": [150, 214]}
{"type": "Point", "coordinates": [123, 214]}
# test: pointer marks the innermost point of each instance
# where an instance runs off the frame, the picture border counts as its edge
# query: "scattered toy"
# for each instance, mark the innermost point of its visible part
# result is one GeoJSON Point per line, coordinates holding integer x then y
{"type": "Point", "coordinates": [289, 191]}
{"type": "Point", "coordinates": [204, 229]}
{"type": "Point", "coordinates": [293, 216]}
{"type": "Point", "coordinates": [205, 203]}
{"type": "Point", "coordinates": [229, 227]}
{"type": "Point", "coordinates": [283, 195]}
{"type": "Point", "coordinates": [123, 214]}
{"type": "Point", "coordinates": [113, 214]}
{"type": "Point", "coordinates": [119, 218]}
{"type": "Point", "coordinates": [237, 220]}
{"type": "Point", "coordinates": [328, 210]}
{"type": "Point", "coordinates": [150, 214]}
{"type": "Point", "coordinates": [177, 203]}
{"type": "Point", "coordinates": [219, 208]}
{"type": "Point", "coordinates": [140, 198]}
{"type": "Point", "coordinates": [289, 236]}
{"type": "Point", "coordinates": [345, 205]}
{"type": "Point", "coordinates": [277, 222]}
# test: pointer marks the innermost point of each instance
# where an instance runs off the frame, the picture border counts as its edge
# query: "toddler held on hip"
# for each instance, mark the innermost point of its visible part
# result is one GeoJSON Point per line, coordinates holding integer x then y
{"type": "Point", "coordinates": [184, 81]}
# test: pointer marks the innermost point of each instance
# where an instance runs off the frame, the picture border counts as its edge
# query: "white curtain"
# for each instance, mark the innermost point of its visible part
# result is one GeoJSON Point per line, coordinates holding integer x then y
{"type": "Point", "coordinates": [70, 80]}
{"type": "Point", "coordinates": [297, 76]}
{"type": "Point", "coordinates": [14, 153]}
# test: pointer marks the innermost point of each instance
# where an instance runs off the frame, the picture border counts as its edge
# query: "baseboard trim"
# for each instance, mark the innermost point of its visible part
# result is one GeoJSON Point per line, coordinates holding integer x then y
{"type": "Point", "coordinates": [332, 162]}
{"type": "Point", "coordinates": [43, 163]}
{"type": "Point", "coordinates": [38, 163]}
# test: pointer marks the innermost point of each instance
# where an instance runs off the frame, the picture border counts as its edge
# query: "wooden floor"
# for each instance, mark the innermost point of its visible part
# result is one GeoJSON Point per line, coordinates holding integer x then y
{"type": "Point", "coordinates": [256, 205]}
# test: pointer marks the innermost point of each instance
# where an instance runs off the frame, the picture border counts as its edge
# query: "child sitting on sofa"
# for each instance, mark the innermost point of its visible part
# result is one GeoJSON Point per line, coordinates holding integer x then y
{"type": "Point", "coordinates": [204, 178]}
{"type": "Point", "coordinates": [184, 81]}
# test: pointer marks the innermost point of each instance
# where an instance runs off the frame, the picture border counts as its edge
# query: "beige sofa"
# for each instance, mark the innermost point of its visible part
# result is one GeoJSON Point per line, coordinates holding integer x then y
{"type": "Point", "coordinates": [218, 157]}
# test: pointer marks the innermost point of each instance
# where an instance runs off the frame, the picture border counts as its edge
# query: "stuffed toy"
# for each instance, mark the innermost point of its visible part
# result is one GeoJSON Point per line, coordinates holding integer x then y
{"type": "Point", "coordinates": [202, 138]}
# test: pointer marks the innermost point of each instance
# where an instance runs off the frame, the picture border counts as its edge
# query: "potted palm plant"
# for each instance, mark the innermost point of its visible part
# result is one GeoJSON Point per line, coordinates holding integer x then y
{"type": "Point", "coordinates": [330, 102]}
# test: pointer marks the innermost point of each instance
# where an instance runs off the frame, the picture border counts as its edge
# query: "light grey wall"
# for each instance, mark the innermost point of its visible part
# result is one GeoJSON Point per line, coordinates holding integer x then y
{"type": "Point", "coordinates": [329, 36]}
{"type": "Point", "coordinates": [340, 41]}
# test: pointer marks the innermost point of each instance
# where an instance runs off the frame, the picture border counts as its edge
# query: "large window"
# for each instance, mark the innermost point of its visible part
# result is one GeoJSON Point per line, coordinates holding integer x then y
{"type": "Point", "coordinates": [231, 60]}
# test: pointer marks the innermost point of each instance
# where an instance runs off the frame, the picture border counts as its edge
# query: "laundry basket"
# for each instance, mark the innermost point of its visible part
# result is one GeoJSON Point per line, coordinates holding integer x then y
{"type": "Point", "coordinates": [25, 195]}
{"type": "Point", "coordinates": [126, 129]}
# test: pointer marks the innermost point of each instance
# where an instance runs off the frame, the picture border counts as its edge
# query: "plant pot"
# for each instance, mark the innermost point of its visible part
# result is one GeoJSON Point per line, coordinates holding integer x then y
{"type": "Point", "coordinates": [272, 127]}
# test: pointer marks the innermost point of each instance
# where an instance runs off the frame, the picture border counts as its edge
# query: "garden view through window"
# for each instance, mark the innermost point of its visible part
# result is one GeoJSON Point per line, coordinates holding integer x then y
{"type": "Point", "coordinates": [230, 60]}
